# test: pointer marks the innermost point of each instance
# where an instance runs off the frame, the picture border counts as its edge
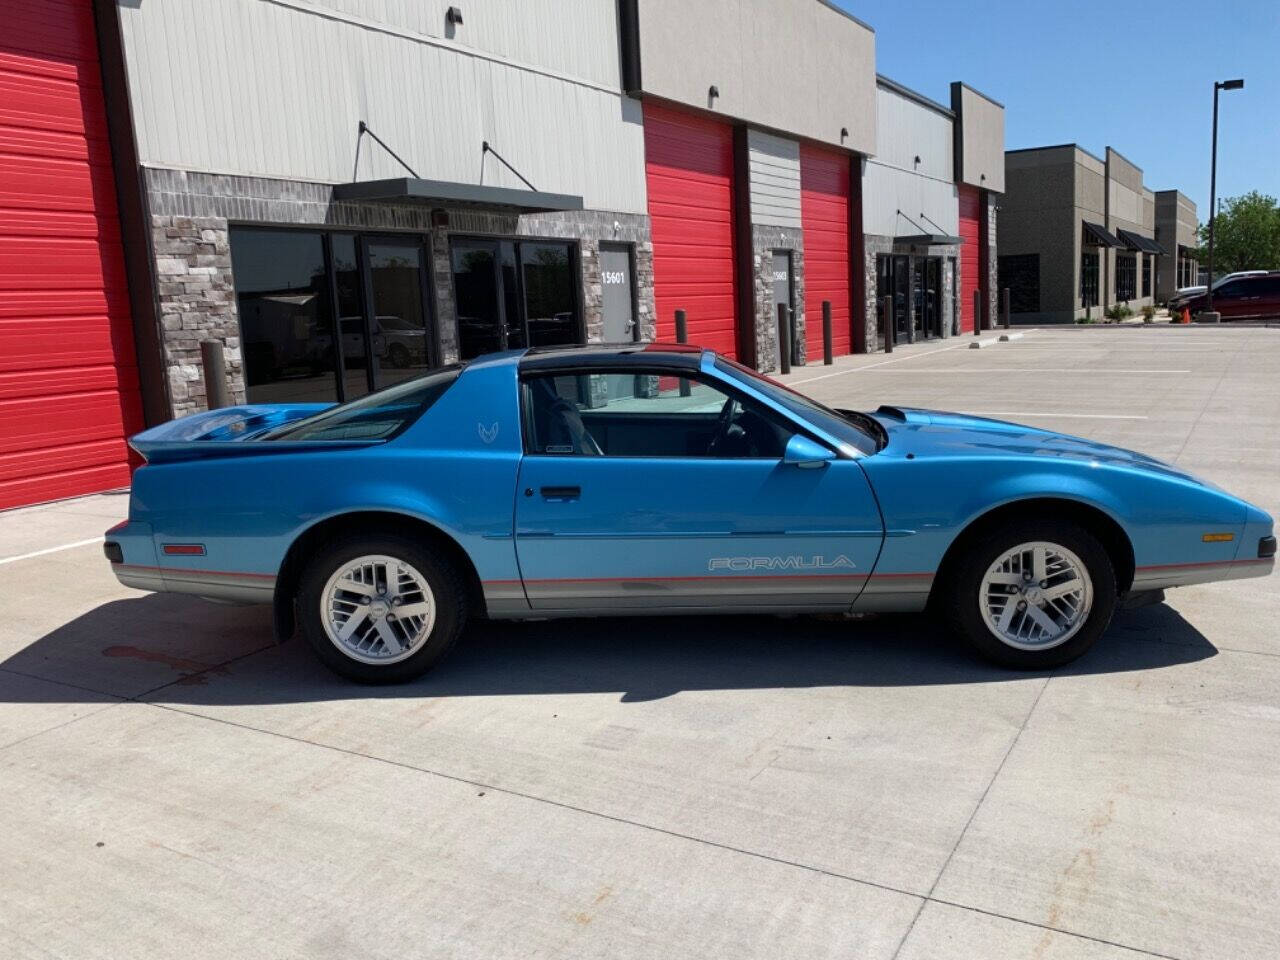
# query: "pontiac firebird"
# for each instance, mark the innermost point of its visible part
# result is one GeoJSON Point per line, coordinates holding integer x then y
{"type": "Point", "coordinates": [645, 479]}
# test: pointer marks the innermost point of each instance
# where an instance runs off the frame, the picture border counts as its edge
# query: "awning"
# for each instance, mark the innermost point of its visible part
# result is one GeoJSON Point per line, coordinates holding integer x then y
{"type": "Point", "coordinates": [1136, 241]}
{"type": "Point", "coordinates": [1096, 234]}
{"type": "Point", "coordinates": [442, 192]}
{"type": "Point", "coordinates": [928, 240]}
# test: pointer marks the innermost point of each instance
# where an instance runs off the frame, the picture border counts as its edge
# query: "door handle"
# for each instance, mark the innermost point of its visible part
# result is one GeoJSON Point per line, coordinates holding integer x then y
{"type": "Point", "coordinates": [561, 493]}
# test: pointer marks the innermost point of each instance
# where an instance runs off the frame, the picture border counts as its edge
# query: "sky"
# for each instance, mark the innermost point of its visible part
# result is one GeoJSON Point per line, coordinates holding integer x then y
{"type": "Point", "coordinates": [1133, 74]}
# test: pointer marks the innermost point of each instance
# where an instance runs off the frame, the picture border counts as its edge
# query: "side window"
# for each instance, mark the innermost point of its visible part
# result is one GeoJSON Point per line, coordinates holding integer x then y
{"type": "Point", "coordinates": [645, 414]}
{"type": "Point", "coordinates": [1233, 289]}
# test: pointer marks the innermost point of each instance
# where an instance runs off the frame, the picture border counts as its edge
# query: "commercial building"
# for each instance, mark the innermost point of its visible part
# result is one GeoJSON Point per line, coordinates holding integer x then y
{"type": "Point", "coordinates": [1177, 233]}
{"type": "Point", "coordinates": [1077, 234]}
{"type": "Point", "coordinates": [927, 218]}
{"type": "Point", "coordinates": [337, 194]}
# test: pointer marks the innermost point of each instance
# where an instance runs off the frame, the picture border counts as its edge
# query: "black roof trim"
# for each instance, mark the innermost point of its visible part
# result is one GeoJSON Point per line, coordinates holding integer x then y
{"type": "Point", "coordinates": [1112, 149]}
{"type": "Point", "coordinates": [457, 194]}
{"type": "Point", "coordinates": [1098, 235]}
{"type": "Point", "coordinates": [846, 14]}
{"type": "Point", "coordinates": [1058, 146]}
{"type": "Point", "coordinates": [664, 356]}
{"type": "Point", "coordinates": [920, 98]}
{"type": "Point", "coordinates": [991, 100]}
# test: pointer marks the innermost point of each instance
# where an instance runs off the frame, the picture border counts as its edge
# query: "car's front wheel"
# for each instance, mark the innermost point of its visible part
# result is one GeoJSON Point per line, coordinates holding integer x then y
{"type": "Point", "coordinates": [380, 609]}
{"type": "Point", "coordinates": [1033, 594]}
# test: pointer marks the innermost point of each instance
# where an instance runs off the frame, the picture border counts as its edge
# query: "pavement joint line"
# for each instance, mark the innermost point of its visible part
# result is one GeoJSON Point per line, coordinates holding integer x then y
{"type": "Point", "coordinates": [1045, 926]}
{"type": "Point", "coordinates": [674, 834]}
{"type": "Point", "coordinates": [58, 726]}
{"type": "Point", "coordinates": [972, 814]}
{"type": "Point", "coordinates": [1226, 368]}
{"type": "Point", "coordinates": [48, 550]}
{"type": "Point", "coordinates": [62, 683]}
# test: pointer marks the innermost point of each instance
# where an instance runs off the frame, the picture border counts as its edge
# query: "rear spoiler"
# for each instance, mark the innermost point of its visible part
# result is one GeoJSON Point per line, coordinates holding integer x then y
{"type": "Point", "coordinates": [226, 432]}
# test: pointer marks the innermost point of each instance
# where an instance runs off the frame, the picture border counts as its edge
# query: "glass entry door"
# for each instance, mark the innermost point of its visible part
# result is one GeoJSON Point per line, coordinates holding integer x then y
{"type": "Point", "coordinates": [513, 294]}
{"type": "Point", "coordinates": [901, 303]}
{"type": "Point", "coordinates": [396, 291]}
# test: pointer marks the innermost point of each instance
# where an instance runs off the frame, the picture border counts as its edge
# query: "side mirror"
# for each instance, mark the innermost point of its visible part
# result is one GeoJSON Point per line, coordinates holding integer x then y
{"type": "Point", "coordinates": [806, 454]}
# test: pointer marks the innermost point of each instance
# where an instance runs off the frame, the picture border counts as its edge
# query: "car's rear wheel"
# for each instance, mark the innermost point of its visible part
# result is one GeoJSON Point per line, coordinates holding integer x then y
{"type": "Point", "coordinates": [380, 609]}
{"type": "Point", "coordinates": [1032, 594]}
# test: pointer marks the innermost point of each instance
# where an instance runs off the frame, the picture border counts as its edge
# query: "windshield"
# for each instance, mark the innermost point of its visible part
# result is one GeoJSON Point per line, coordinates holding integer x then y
{"type": "Point", "coordinates": [836, 424]}
{"type": "Point", "coordinates": [376, 416]}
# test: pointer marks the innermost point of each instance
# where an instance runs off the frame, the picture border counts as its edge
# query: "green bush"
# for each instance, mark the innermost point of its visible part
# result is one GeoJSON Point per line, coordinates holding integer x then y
{"type": "Point", "coordinates": [1119, 311]}
{"type": "Point", "coordinates": [1148, 313]}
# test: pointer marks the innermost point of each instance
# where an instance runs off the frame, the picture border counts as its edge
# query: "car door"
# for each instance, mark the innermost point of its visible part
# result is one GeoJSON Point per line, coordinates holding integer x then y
{"type": "Point", "coordinates": [1231, 300]}
{"type": "Point", "coordinates": [1268, 302]}
{"type": "Point", "coordinates": [635, 494]}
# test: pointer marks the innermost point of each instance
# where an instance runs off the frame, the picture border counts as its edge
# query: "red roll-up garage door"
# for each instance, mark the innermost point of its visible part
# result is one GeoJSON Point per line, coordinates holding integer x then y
{"type": "Point", "coordinates": [689, 171]}
{"type": "Point", "coordinates": [68, 371]}
{"type": "Point", "coordinates": [824, 213]}
{"type": "Point", "coordinates": [970, 253]}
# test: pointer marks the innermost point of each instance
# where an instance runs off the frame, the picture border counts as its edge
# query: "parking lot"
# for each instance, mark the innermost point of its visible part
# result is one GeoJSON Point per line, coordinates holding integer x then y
{"type": "Point", "coordinates": [174, 783]}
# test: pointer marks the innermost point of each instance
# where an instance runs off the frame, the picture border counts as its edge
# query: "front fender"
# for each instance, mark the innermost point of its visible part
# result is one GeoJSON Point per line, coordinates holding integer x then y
{"type": "Point", "coordinates": [931, 502]}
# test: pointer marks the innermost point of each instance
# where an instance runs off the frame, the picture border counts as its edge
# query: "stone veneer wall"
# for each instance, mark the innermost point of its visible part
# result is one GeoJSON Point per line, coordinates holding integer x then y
{"type": "Point", "coordinates": [876, 244]}
{"type": "Point", "coordinates": [195, 291]}
{"type": "Point", "coordinates": [764, 240]}
{"type": "Point", "coordinates": [993, 266]}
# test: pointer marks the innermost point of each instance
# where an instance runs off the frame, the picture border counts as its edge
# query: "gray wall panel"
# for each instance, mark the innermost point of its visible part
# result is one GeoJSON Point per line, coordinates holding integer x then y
{"type": "Point", "coordinates": [774, 172]}
{"type": "Point", "coordinates": [893, 181]}
{"type": "Point", "coordinates": [981, 140]}
{"type": "Point", "coordinates": [276, 87]}
{"type": "Point", "coordinates": [799, 67]}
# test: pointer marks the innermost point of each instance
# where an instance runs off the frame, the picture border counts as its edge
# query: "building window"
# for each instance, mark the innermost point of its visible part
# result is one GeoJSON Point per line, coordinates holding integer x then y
{"type": "Point", "coordinates": [306, 331]}
{"type": "Point", "coordinates": [1146, 275]}
{"type": "Point", "coordinates": [1126, 276]}
{"type": "Point", "coordinates": [515, 293]}
{"type": "Point", "coordinates": [1020, 275]}
{"type": "Point", "coordinates": [1089, 278]}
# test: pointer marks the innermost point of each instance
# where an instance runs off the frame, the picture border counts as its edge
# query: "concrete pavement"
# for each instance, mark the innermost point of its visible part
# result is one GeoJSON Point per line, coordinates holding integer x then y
{"type": "Point", "coordinates": [172, 781]}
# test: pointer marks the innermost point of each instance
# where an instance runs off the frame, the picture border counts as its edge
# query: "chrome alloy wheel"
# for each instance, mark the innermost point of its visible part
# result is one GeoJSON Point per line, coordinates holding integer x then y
{"type": "Point", "coordinates": [377, 609]}
{"type": "Point", "coordinates": [1036, 596]}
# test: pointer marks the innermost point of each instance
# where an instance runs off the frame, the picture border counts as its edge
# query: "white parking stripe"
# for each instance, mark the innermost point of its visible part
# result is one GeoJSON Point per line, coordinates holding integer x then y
{"type": "Point", "coordinates": [41, 553]}
{"type": "Point", "coordinates": [1006, 370]}
{"type": "Point", "coordinates": [1041, 413]}
{"type": "Point", "coordinates": [841, 373]}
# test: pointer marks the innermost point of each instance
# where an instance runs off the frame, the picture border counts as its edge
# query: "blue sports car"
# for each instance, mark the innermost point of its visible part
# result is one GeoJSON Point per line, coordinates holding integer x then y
{"type": "Point", "coordinates": [647, 479]}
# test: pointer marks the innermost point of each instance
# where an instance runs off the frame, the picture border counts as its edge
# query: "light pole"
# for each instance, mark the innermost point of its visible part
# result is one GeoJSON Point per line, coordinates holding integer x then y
{"type": "Point", "coordinates": [1213, 190]}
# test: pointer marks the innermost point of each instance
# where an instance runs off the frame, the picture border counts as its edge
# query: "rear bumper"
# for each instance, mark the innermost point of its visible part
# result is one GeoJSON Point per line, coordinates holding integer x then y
{"type": "Point", "coordinates": [131, 550]}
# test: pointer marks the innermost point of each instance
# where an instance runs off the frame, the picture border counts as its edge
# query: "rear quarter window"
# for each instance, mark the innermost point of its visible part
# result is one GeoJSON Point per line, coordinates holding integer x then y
{"type": "Point", "coordinates": [377, 416]}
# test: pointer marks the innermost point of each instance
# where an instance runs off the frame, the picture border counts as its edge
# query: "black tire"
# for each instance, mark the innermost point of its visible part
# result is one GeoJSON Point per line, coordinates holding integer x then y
{"type": "Point", "coordinates": [446, 587]}
{"type": "Point", "coordinates": [962, 591]}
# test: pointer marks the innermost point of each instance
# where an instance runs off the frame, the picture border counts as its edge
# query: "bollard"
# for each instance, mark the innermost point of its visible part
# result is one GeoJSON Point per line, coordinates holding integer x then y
{"type": "Point", "coordinates": [826, 333]}
{"type": "Point", "coordinates": [682, 336]}
{"type": "Point", "coordinates": [886, 304]}
{"type": "Point", "coordinates": [1004, 298]}
{"type": "Point", "coordinates": [977, 313]}
{"type": "Point", "coordinates": [214, 364]}
{"type": "Point", "coordinates": [784, 338]}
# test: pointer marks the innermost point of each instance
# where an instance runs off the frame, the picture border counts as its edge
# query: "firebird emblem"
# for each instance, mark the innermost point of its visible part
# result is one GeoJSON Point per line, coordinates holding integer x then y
{"type": "Point", "coordinates": [746, 564]}
{"type": "Point", "coordinates": [488, 434]}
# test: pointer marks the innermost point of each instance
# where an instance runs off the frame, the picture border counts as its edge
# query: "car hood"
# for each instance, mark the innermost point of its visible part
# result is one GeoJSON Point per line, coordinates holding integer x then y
{"type": "Point", "coordinates": [936, 433]}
